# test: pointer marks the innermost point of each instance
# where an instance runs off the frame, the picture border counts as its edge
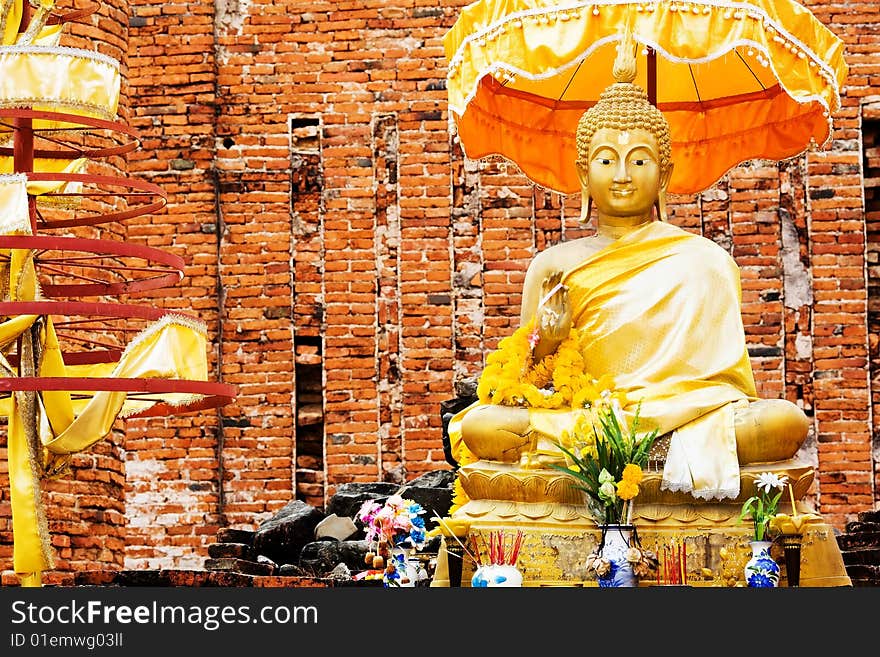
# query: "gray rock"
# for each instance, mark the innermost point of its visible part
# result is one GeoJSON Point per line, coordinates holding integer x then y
{"type": "Point", "coordinates": [261, 558]}
{"type": "Point", "coordinates": [341, 573]}
{"type": "Point", "coordinates": [227, 535]}
{"type": "Point", "coordinates": [233, 550]}
{"type": "Point", "coordinates": [869, 516]}
{"type": "Point", "coordinates": [290, 570]}
{"type": "Point", "coordinates": [239, 566]}
{"type": "Point", "coordinates": [434, 479]}
{"type": "Point", "coordinates": [350, 497]}
{"type": "Point", "coordinates": [282, 537]}
{"type": "Point", "coordinates": [324, 556]}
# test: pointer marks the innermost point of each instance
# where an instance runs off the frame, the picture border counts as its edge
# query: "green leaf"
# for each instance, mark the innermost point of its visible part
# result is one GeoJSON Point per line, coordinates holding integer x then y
{"type": "Point", "coordinates": [747, 507]}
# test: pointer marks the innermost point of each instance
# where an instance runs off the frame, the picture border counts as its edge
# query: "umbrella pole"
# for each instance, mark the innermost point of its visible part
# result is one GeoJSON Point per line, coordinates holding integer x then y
{"type": "Point", "coordinates": [652, 76]}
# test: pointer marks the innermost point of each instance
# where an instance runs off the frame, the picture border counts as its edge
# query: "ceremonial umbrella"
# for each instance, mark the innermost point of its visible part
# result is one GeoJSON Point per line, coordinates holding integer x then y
{"type": "Point", "coordinates": [736, 80]}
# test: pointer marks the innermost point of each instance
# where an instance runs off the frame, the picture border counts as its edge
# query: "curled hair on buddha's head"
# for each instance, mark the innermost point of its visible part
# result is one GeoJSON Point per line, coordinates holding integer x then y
{"type": "Point", "coordinates": [623, 105]}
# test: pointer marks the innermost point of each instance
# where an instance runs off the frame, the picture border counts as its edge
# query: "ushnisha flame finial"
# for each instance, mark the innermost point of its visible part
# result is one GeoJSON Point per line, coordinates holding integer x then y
{"type": "Point", "coordinates": [624, 69]}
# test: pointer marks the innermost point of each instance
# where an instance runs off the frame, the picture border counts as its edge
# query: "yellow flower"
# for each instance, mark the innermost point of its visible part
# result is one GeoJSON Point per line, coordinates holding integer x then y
{"type": "Point", "coordinates": [632, 473]}
{"type": "Point", "coordinates": [511, 378]}
{"type": "Point", "coordinates": [626, 490]}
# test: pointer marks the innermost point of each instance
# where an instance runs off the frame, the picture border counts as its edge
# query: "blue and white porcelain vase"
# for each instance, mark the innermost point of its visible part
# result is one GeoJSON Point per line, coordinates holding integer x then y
{"type": "Point", "coordinates": [761, 571]}
{"type": "Point", "coordinates": [405, 572]}
{"type": "Point", "coordinates": [616, 542]}
{"type": "Point", "coordinates": [492, 575]}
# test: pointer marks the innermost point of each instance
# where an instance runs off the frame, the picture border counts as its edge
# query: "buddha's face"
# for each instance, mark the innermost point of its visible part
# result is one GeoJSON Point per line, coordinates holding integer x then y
{"type": "Point", "coordinates": [623, 173]}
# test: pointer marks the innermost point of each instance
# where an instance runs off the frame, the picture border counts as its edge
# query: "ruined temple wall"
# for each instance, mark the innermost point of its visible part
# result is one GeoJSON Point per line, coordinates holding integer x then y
{"type": "Point", "coordinates": [353, 268]}
{"type": "Point", "coordinates": [842, 246]}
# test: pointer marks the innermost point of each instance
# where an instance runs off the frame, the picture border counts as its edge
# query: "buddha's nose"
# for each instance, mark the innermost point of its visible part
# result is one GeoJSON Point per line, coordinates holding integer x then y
{"type": "Point", "coordinates": [621, 173]}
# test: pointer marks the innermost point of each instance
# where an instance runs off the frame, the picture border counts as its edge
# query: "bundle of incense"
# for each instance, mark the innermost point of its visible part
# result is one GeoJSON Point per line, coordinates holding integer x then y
{"type": "Point", "coordinates": [496, 548]}
{"type": "Point", "coordinates": [684, 566]}
{"type": "Point", "coordinates": [511, 557]}
{"type": "Point", "coordinates": [674, 563]}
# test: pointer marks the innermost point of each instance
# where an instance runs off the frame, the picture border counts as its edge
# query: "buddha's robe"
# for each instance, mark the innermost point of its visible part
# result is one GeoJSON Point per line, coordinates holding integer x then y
{"type": "Point", "coordinates": [659, 311]}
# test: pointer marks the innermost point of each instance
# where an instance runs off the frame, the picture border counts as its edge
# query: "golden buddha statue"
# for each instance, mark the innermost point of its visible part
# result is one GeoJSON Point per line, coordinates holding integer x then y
{"type": "Point", "coordinates": [653, 309]}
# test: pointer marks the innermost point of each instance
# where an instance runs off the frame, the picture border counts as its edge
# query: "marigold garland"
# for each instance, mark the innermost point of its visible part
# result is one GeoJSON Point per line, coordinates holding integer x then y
{"type": "Point", "coordinates": [560, 380]}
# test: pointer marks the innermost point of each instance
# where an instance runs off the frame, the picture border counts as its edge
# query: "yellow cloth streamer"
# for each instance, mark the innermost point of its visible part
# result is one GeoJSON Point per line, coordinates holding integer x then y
{"type": "Point", "coordinates": [36, 24]}
{"type": "Point", "coordinates": [39, 77]}
{"type": "Point", "coordinates": [10, 19]}
{"type": "Point", "coordinates": [14, 217]}
{"type": "Point", "coordinates": [38, 33]}
{"type": "Point", "coordinates": [41, 187]}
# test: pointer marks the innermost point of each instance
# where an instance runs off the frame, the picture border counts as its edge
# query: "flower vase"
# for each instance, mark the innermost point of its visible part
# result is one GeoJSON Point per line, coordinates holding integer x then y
{"type": "Point", "coordinates": [616, 542]}
{"type": "Point", "coordinates": [402, 570]}
{"type": "Point", "coordinates": [491, 575]}
{"type": "Point", "coordinates": [761, 571]}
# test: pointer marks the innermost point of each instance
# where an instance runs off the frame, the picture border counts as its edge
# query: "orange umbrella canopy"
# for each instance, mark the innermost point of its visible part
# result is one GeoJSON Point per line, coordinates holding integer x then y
{"type": "Point", "coordinates": [736, 80]}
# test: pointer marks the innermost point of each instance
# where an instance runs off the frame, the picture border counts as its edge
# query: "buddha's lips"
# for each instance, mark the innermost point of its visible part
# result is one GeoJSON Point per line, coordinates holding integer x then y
{"type": "Point", "coordinates": [623, 192]}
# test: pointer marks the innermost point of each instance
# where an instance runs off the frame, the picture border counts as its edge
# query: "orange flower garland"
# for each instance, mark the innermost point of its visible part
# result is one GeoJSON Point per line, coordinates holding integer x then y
{"type": "Point", "coordinates": [560, 380]}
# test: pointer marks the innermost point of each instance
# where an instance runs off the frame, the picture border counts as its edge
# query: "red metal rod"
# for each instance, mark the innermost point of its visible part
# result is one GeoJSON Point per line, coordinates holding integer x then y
{"type": "Point", "coordinates": [652, 76]}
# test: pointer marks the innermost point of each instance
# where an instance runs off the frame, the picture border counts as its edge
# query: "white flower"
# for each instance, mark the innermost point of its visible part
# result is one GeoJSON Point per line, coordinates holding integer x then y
{"type": "Point", "coordinates": [602, 566]}
{"type": "Point", "coordinates": [768, 480]}
{"type": "Point", "coordinates": [633, 555]}
{"type": "Point", "coordinates": [607, 491]}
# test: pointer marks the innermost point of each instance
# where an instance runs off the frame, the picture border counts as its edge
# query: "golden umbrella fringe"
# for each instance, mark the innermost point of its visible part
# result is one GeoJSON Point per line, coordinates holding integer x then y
{"type": "Point", "coordinates": [737, 80]}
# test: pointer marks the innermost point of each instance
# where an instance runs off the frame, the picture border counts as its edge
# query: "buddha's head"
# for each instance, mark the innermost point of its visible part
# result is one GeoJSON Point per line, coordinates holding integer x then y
{"type": "Point", "coordinates": [623, 148]}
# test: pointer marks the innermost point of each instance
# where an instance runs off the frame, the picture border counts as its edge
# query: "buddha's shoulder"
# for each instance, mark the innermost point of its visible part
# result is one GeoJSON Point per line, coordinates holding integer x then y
{"type": "Point", "coordinates": [564, 255]}
{"type": "Point", "coordinates": [693, 245]}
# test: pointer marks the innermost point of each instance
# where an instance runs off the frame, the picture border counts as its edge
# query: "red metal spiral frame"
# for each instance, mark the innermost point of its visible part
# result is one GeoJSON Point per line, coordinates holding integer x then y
{"type": "Point", "coordinates": [64, 150]}
{"type": "Point", "coordinates": [160, 270]}
{"type": "Point", "coordinates": [111, 258]}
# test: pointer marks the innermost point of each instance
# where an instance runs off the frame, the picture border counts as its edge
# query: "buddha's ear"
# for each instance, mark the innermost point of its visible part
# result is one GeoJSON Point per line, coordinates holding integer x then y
{"type": "Point", "coordinates": [665, 176]}
{"type": "Point", "coordinates": [586, 199]}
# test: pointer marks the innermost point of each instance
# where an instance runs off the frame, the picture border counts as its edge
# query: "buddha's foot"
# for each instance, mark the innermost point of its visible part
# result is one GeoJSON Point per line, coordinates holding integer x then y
{"type": "Point", "coordinates": [531, 460]}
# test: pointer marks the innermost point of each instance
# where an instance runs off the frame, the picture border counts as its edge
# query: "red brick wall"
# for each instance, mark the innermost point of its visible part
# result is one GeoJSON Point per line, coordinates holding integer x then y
{"type": "Point", "coordinates": [848, 475]}
{"type": "Point", "coordinates": [173, 499]}
{"type": "Point", "coordinates": [337, 241]}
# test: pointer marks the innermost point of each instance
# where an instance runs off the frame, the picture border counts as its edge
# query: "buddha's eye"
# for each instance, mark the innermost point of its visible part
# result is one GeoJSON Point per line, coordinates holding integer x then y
{"type": "Point", "coordinates": [604, 160]}
{"type": "Point", "coordinates": [640, 163]}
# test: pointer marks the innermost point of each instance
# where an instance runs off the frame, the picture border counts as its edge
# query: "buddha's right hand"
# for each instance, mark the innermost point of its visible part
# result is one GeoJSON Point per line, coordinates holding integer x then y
{"type": "Point", "coordinates": [553, 316]}
{"type": "Point", "coordinates": [497, 433]}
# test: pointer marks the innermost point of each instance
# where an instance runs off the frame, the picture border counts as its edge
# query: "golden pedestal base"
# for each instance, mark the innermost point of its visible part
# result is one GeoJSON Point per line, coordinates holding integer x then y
{"type": "Point", "coordinates": [698, 543]}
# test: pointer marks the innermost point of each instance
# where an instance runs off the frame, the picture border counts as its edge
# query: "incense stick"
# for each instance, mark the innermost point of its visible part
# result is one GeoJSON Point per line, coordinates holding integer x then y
{"type": "Point", "coordinates": [452, 534]}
